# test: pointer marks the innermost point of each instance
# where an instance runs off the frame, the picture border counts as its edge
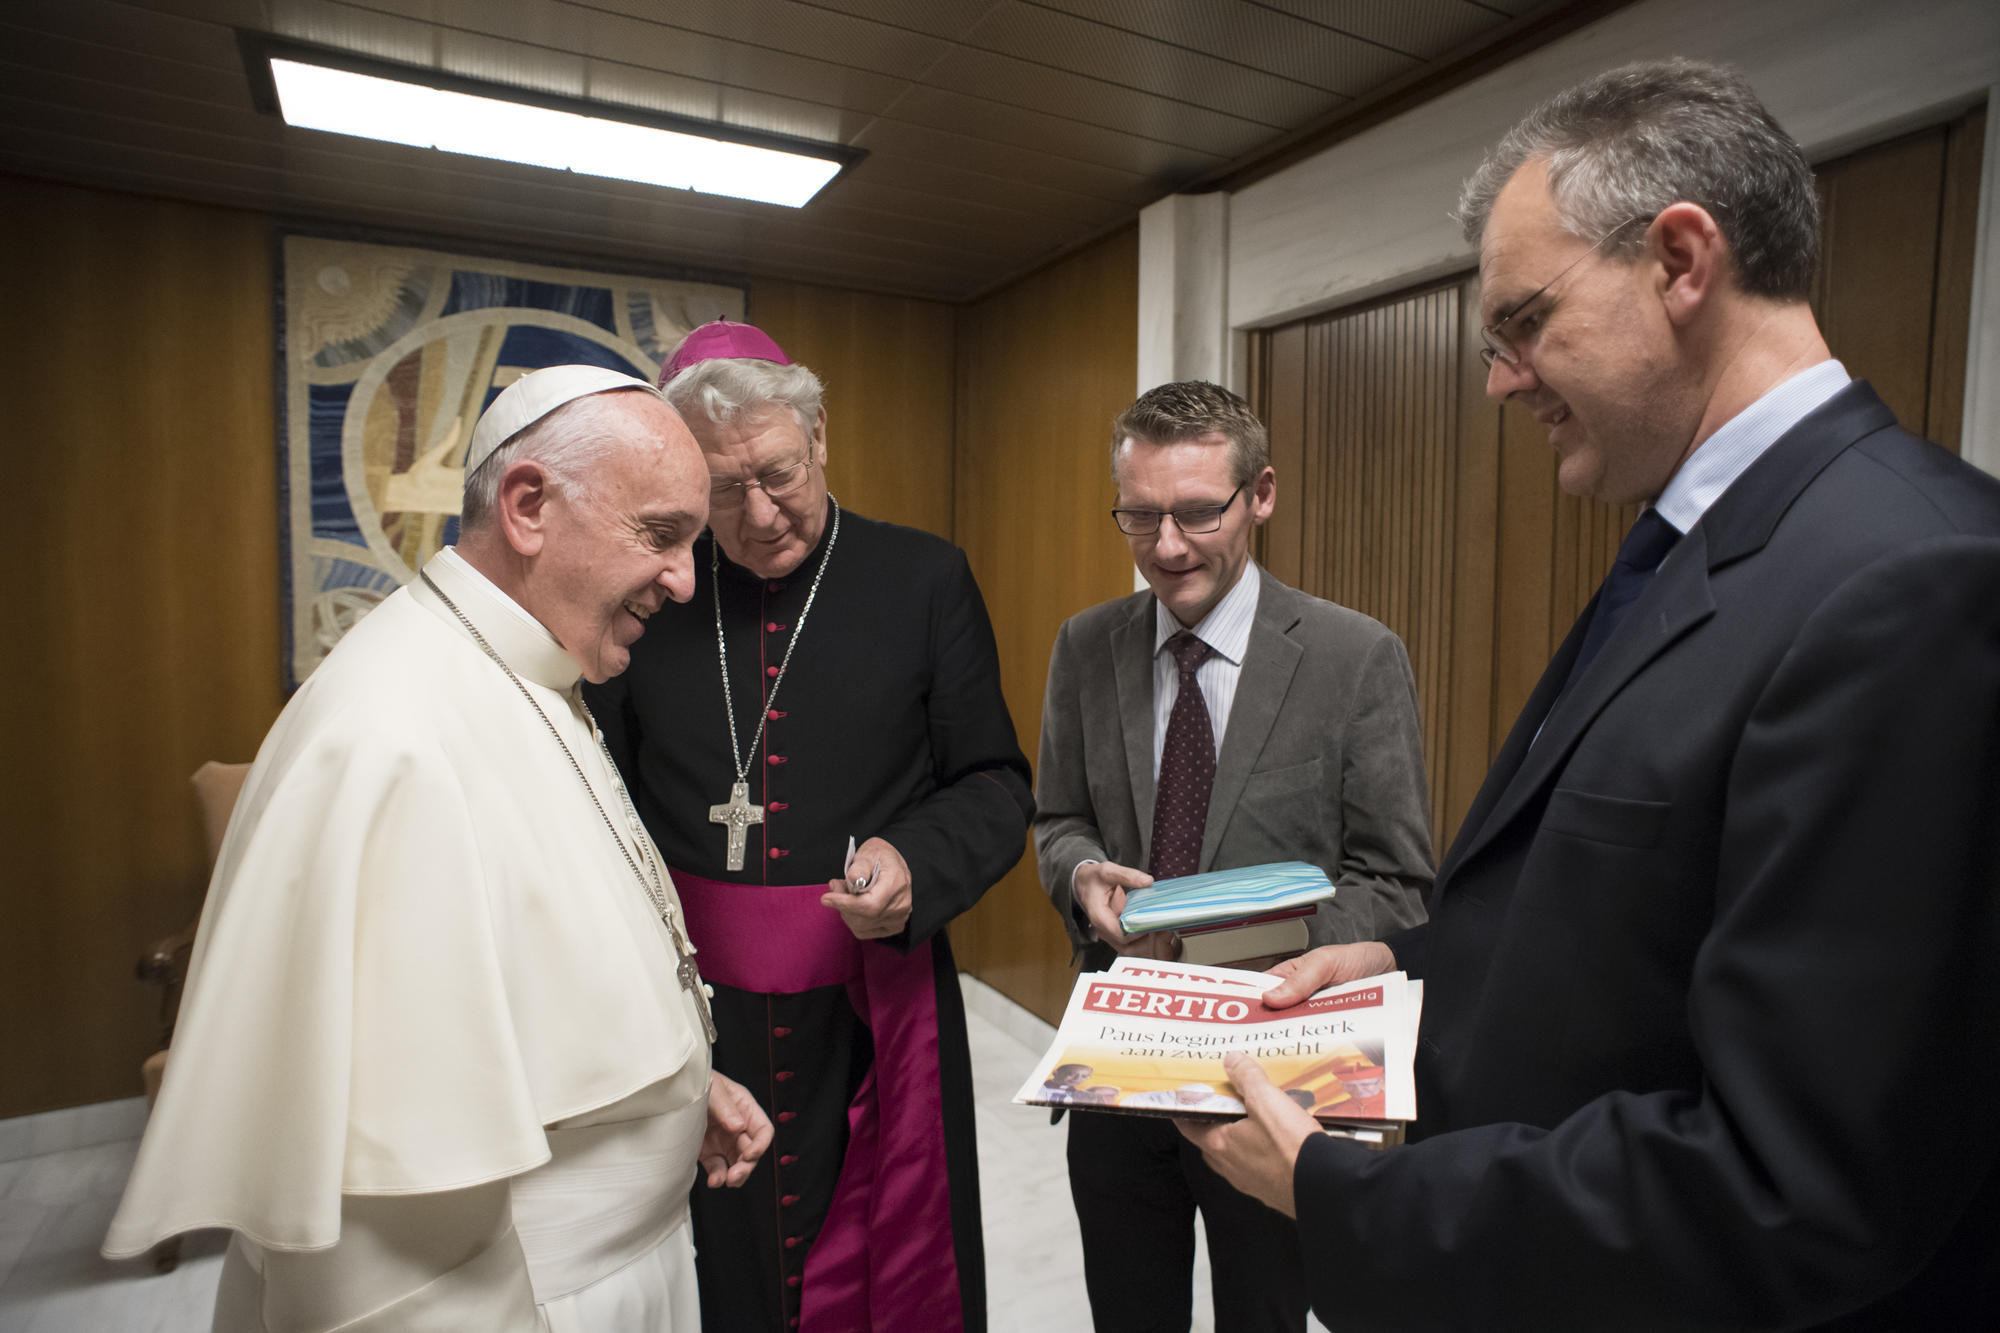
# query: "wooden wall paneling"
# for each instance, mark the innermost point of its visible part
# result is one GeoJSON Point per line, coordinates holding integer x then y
{"type": "Point", "coordinates": [1382, 443]}
{"type": "Point", "coordinates": [1436, 391]}
{"type": "Point", "coordinates": [147, 609]}
{"type": "Point", "coordinates": [889, 366]}
{"type": "Point", "coordinates": [1353, 391]}
{"type": "Point", "coordinates": [1958, 241]}
{"type": "Point", "coordinates": [1327, 527]}
{"type": "Point", "coordinates": [1282, 407]}
{"type": "Point", "coordinates": [1565, 569]}
{"type": "Point", "coordinates": [1878, 264]}
{"type": "Point", "coordinates": [1403, 414]}
{"type": "Point", "coordinates": [1349, 388]}
{"type": "Point", "coordinates": [1522, 590]}
{"type": "Point", "coordinates": [1376, 443]}
{"type": "Point", "coordinates": [1336, 370]}
{"type": "Point", "coordinates": [1474, 468]}
{"type": "Point", "coordinates": [1377, 447]}
{"type": "Point", "coordinates": [1043, 366]}
{"type": "Point", "coordinates": [1399, 426]}
{"type": "Point", "coordinates": [1439, 390]}
{"type": "Point", "coordinates": [1399, 421]}
{"type": "Point", "coordinates": [1378, 506]}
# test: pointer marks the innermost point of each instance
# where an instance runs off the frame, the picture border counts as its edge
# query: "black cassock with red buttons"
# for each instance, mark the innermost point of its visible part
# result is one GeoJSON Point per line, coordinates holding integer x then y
{"type": "Point", "coordinates": [889, 723]}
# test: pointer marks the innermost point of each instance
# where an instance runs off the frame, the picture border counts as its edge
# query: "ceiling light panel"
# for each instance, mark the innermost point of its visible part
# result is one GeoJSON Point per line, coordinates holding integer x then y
{"type": "Point", "coordinates": [339, 101]}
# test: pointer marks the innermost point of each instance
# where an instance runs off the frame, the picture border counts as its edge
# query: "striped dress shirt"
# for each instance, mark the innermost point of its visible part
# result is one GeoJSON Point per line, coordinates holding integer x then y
{"type": "Point", "coordinates": [1226, 630]}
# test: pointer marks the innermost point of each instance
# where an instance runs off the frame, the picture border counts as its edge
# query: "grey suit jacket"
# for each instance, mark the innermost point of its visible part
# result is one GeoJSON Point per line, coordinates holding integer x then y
{"type": "Point", "coordinates": [1322, 762]}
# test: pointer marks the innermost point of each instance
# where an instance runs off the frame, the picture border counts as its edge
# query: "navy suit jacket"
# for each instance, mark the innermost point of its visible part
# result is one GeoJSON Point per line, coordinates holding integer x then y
{"type": "Point", "coordinates": [1712, 978]}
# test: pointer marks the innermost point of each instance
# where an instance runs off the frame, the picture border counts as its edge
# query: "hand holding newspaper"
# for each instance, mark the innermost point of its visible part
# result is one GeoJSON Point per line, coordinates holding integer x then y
{"type": "Point", "coordinates": [1148, 1038]}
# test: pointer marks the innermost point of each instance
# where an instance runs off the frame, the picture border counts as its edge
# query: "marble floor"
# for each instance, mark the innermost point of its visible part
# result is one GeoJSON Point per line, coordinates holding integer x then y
{"type": "Point", "coordinates": [61, 1174]}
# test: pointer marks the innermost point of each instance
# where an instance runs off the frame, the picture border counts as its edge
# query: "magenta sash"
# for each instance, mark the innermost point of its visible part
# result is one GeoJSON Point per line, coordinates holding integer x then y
{"type": "Point", "coordinates": [883, 1260]}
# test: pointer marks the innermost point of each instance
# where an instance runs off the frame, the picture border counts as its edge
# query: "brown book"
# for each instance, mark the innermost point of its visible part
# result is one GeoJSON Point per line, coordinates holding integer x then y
{"type": "Point", "coordinates": [1251, 942]}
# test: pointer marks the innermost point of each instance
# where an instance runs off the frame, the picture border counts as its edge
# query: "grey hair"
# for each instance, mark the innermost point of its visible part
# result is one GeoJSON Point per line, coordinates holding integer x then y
{"type": "Point", "coordinates": [721, 388]}
{"type": "Point", "coordinates": [1188, 410]}
{"type": "Point", "coordinates": [569, 443]}
{"type": "Point", "coordinates": [1637, 139]}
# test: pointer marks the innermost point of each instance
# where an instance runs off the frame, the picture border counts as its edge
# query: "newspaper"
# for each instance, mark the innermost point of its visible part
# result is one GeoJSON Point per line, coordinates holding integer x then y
{"type": "Point", "coordinates": [1148, 1038]}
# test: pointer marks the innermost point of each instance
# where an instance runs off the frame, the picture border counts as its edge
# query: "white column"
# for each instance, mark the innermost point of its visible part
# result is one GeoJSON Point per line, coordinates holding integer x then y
{"type": "Point", "coordinates": [1184, 290]}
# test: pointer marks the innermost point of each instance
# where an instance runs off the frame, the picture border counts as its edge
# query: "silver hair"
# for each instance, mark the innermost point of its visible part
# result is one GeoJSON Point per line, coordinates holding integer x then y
{"type": "Point", "coordinates": [722, 388]}
{"type": "Point", "coordinates": [569, 443]}
{"type": "Point", "coordinates": [1637, 139]}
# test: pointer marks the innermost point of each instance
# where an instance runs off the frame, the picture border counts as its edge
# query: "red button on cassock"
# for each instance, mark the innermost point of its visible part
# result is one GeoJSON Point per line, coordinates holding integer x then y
{"type": "Point", "coordinates": [792, 1281]}
{"type": "Point", "coordinates": [783, 1076]}
{"type": "Point", "coordinates": [772, 585]}
{"type": "Point", "coordinates": [772, 672]}
{"type": "Point", "coordinates": [777, 852]}
{"type": "Point", "coordinates": [779, 805]}
{"type": "Point", "coordinates": [781, 1032]}
{"type": "Point", "coordinates": [788, 1200]}
{"type": "Point", "coordinates": [773, 714]}
{"type": "Point", "coordinates": [786, 1117]}
{"type": "Point", "coordinates": [791, 1242]}
{"type": "Point", "coordinates": [788, 1159]}
{"type": "Point", "coordinates": [772, 627]}
{"type": "Point", "coordinates": [774, 759]}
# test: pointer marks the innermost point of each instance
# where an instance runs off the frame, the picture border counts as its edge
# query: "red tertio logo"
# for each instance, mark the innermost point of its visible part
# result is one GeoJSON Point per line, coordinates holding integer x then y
{"type": "Point", "coordinates": [1200, 1007]}
{"type": "Point", "coordinates": [1151, 1002]}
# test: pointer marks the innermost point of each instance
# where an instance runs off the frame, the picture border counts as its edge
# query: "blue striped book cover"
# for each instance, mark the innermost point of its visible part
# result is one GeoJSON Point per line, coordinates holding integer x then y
{"type": "Point", "coordinates": [1223, 895]}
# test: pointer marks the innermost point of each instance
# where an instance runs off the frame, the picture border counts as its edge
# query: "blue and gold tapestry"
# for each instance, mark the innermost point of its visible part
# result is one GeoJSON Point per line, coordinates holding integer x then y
{"type": "Point", "coordinates": [390, 354]}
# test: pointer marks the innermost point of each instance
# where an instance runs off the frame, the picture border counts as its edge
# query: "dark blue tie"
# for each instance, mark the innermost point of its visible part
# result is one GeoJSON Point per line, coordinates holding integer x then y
{"type": "Point", "coordinates": [1645, 546]}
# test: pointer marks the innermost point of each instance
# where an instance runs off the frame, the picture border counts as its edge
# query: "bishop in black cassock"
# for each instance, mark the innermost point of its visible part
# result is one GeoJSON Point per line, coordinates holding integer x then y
{"type": "Point", "coordinates": [887, 723]}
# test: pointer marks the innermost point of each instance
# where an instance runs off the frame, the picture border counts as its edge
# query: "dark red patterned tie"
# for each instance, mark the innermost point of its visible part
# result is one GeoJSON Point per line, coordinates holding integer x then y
{"type": "Point", "coordinates": [1187, 770]}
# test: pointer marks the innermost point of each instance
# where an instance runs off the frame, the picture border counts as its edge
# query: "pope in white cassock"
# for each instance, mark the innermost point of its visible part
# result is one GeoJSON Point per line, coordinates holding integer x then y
{"type": "Point", "coordinates": [443, 1059]}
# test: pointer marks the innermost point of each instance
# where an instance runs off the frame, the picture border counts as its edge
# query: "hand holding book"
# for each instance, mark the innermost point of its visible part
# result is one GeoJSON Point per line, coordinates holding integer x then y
{"type": "Point", "coordinates": [1102, 889]}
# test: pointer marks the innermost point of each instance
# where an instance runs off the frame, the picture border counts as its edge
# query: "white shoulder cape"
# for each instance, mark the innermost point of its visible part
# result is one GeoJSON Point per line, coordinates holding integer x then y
{"type": "Point", "coordinates": [421, 944]}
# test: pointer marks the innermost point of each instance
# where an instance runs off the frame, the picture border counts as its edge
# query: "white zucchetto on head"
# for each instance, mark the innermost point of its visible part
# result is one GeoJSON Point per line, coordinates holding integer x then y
{"type": "Point", "coordinates": [535, 395]}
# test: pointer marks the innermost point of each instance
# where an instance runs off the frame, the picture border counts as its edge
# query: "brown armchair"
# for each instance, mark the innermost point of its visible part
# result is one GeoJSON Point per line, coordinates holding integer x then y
{"type": "Point", "coordinates": [216, 787]}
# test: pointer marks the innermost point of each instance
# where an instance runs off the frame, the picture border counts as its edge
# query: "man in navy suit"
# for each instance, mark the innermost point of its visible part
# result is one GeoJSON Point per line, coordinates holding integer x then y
{"type": "Point", "coordinates": [1712, 1017]}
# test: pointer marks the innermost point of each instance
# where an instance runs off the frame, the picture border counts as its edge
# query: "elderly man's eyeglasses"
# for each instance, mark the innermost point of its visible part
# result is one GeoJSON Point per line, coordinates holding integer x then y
{"type": "Point", "coordinates": [1194, 518]}
{"type": "Point", "coordinates": [1502, 345]}
{"type": "Point", "coordinates": [776, 482]}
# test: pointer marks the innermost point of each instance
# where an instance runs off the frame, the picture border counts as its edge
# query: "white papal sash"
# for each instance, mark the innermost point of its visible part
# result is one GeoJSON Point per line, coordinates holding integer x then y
{"type": "Point", "coordinates": [609, 1194]}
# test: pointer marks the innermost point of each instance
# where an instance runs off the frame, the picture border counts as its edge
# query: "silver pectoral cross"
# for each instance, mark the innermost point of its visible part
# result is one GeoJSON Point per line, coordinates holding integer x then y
{"type": "Point", "coordinates": [737, 815]}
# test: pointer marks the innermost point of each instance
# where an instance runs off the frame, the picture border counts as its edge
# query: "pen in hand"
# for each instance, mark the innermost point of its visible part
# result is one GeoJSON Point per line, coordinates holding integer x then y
{"type": "Point", "coordinates": [860, 884]}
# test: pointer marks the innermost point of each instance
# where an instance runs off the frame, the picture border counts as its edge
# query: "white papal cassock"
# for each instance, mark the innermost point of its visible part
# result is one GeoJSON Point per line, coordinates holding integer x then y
{"type": "Point", "coordinates": [433, 1065]}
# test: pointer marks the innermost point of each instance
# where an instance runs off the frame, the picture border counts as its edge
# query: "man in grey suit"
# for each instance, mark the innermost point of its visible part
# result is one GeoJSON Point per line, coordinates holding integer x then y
{"type": "Point", "coordinates": [1299, 742]}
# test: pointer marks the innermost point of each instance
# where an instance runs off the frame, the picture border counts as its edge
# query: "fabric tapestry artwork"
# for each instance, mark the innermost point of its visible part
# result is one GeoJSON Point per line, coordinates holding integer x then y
{"type": "Point", "coordinates": [389, 355]}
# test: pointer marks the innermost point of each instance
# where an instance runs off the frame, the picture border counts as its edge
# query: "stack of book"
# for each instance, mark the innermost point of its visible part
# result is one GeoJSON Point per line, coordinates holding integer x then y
{"type": "Point", "coordinates": [1148, 1038]}
{"type": "Point", "coordinates": [1247, 918]}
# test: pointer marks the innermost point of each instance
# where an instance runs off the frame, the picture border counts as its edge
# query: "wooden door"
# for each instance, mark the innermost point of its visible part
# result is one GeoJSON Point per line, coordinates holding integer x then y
{"type": "Point", "coordinates": [1405, 494]}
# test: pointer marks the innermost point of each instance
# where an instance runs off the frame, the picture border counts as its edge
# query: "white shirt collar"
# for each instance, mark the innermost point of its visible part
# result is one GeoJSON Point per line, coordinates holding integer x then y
{"type": "Point", "coordinates": [1742, 440]}
{"type": "Point", "coordinates": [1226, 627]}
{"type": "Point", "coordinates": [522, 641]}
